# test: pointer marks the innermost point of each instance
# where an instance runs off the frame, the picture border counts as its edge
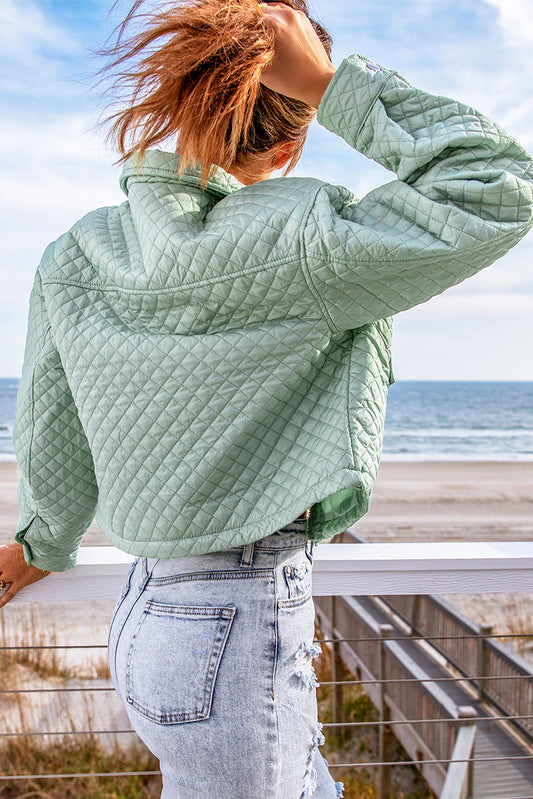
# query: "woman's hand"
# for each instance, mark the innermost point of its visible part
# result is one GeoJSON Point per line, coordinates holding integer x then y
{"type": "Point", "coordinates": [15, 572]}
{"type": "Point", "coordinates": [301, 67]}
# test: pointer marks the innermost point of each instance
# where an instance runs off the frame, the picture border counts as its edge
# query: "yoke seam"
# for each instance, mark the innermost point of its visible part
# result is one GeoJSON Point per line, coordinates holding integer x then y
{"type": "Point", "coordinates": [182, 287]}
{"type": "Point", "coordinates": [213, 575]}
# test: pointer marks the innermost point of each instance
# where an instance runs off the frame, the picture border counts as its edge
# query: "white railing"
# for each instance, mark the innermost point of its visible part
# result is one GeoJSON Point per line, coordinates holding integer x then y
{"type": "Point", "coordinates": [341, 569]}
{"type": "Point", "coordinates": [358, 570]}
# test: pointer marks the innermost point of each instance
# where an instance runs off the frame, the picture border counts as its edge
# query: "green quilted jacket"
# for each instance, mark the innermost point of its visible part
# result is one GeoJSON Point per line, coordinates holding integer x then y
{"type": "Point", "coordinates": [204, 364]}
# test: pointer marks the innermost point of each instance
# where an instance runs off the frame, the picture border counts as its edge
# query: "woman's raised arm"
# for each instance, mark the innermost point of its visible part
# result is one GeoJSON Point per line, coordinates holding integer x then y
{"type": "Point", "coordinates": [463, 197]}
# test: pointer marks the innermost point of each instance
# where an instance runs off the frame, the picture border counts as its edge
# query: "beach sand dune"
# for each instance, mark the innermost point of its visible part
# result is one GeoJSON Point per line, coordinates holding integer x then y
{"type": "Point", "coordinates": [451, 501]}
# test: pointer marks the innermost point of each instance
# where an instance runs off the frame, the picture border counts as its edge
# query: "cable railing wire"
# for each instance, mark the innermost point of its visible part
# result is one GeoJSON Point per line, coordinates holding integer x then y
{"type": "Point", "coordinates": [55, 646]}
{"type": "Point", "coordinates": [479, 720]}
{"type": "Point", "coordinates": [410, 637]}
{"type": "Point", "coordinates": [373, 764]}
{"type": "Point", "coordinates": [56, 690]}
{"type": "Point", "coordinates": [374, 681]}
{"type": "Point", "coordinates": [36, 733]}
{"type": "Point", "coordinates": [376, 723]}
{"type": "Point", "coordinates": [450, 720]}
{"type": "Point", "coordinates": [82, 774]}
{"type": "Point", "coordinates": [442, 761]}
{"type": "Point", "coordinates": [361, 639]}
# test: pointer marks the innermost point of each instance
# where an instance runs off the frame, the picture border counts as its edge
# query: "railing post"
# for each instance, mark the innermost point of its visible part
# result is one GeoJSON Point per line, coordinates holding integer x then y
{"type": "Point", "coordinates": [415, 612]}
{"type": "Point", "coordinates": [459, 782]}
{"type": "Point", "coordinates": [468, 715]}
{"type": "Point", "coordinates": [385, 731]}
{"type": "Point", "coordinates": [485, 630]}
{"type": "Point", "coordinates": [336, 667]}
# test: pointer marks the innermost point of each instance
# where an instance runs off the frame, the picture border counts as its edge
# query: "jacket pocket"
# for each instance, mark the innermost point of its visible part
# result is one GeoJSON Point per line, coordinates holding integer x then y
{"type": "Point", "coordinates": [173, 661]}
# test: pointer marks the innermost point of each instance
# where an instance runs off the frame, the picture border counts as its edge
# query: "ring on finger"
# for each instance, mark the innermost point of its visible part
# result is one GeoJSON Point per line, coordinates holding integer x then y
{"type": "Point", "coordinates": [4, 585]}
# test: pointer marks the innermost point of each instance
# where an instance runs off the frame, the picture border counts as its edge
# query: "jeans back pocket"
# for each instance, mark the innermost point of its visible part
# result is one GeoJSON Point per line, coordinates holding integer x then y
{"type": "Point", "coordinates": [173, 661]}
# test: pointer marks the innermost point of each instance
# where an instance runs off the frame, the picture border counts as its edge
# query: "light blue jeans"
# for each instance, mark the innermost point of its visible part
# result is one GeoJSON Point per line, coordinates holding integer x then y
{"type": "Point", "coordinates": [212, 657]}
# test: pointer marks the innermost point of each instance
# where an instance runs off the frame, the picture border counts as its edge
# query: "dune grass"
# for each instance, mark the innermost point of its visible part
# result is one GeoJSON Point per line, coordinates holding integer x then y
{"type": "Point", "coordinates": [72, 755]}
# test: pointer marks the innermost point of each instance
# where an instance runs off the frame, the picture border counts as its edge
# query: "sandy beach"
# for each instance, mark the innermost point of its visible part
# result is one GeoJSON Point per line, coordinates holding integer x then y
{"type": "Point", "coordinates": [451, 501]}
{"type": "Point", "coordinates": [412, 501]}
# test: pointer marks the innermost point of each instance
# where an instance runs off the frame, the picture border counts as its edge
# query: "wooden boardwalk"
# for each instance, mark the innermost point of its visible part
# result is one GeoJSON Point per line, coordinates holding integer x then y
{"type": "Point", "coordinates": [493, 778]}
{"type": "Point", "coordinates": [500, 779]}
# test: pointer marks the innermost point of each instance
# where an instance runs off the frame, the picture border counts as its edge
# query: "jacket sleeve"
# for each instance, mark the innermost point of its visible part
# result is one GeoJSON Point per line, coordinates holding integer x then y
{"type": "Point", "coordinates": [57, 492]}
{"type": "Point", "coordinates": [462, 199]}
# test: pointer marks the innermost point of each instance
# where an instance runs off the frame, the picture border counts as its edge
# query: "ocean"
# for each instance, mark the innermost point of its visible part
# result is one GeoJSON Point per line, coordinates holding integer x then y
{"type": "Point", "coordinates": [426, 420]}
{"type": "Point", "coordinates": [446, 420]}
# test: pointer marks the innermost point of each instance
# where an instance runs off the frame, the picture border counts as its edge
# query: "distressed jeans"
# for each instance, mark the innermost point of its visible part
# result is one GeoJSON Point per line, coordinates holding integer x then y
{"type": "Point", "coordinates": [212, 657]}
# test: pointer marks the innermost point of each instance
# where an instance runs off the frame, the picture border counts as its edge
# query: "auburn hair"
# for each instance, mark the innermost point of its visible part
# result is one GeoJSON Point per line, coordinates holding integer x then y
{"type": "Point", "coordinates": [192, 70]}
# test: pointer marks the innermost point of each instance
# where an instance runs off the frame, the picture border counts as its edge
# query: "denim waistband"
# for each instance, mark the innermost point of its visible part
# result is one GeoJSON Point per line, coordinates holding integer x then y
{"type": "Point", "coordinates": [294, 534]}
{"type": "Point", "coordinates": [290, 538]}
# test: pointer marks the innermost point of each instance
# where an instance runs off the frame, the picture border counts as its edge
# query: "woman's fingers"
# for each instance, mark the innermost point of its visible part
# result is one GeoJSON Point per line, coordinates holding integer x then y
{"type": "Point", "coordinates": [15, 572]}
{"type": "Point", "coordinates": [32, 575]}
{"type": "Point", "coordinates": [301, 68]}
{"type": "Point", "coordinates": [7, 595]}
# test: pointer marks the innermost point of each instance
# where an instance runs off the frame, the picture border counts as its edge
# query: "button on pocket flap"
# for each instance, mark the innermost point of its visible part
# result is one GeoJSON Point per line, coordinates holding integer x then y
{"type": "Point", "coordinates": [298, 579]}
{"type": "Point", "coordinates": [173, 661]}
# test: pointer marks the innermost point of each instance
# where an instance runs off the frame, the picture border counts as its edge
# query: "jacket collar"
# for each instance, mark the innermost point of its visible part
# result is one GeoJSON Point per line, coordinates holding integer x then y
{"type": "Point", "coordinates": [164, 166]}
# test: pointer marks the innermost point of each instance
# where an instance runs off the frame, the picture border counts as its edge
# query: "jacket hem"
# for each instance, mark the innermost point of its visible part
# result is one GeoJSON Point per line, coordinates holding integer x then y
{"type": "Point", "coordinates": [319, 526]}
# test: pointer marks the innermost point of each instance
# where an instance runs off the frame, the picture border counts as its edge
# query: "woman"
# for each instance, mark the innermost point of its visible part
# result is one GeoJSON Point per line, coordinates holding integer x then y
{"type": "Point", "coordinates": [207, 366]}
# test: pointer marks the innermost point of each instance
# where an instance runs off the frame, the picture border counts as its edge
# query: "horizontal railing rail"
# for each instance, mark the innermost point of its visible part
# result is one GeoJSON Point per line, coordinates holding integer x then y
{"type": "Point", "coordinates": [340, 569]}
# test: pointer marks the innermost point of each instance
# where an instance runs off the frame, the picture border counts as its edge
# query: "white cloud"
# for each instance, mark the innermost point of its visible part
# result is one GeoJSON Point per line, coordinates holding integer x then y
{"type": "Point", "coordinates": [465, 337]}
{"type": "Point", "coordinates": [25, 30]}
{"type": "Point", "coordinates": [477, 51]}
{"type": "Point", "coordinates": [40, 61]}
{"type": "Point", "coordinates": [46, 187]}
{"type": "Point", "coordinates": [516, 18]}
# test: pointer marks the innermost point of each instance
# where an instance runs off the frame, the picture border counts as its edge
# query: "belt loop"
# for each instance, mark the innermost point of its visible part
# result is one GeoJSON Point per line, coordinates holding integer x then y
{"type": "Point", "coordinates": [247, 557]}
{"type": "Point", "coordinates": [146, 571]}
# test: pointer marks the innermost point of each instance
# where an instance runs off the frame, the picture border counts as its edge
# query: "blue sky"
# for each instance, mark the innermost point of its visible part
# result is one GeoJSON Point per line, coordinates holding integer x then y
{"type": "Point", "coordinates": [56, 167]}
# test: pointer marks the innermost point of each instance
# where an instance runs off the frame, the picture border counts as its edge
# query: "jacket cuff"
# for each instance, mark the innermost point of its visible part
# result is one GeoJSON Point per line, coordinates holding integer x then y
{"type": "Point", "coordinates": [350, 96]}
{"type": "Point", "coordinates": [37, 552]}
{"type": "Point", "coordinates": [19, 538]}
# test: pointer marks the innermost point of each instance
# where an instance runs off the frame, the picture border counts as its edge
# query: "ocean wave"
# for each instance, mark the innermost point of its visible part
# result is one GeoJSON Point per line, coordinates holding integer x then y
{"type": "Point", "coordinates": [459, 432]}
{"type": "Point", "coordinates": [455, 456]}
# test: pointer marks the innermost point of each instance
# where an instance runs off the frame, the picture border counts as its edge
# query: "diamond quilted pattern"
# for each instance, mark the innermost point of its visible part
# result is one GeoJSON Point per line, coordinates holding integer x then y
{"type": "Point", "coordinates": [204, 364]}
{"type": "Point", "coordinates": [463, 195]}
